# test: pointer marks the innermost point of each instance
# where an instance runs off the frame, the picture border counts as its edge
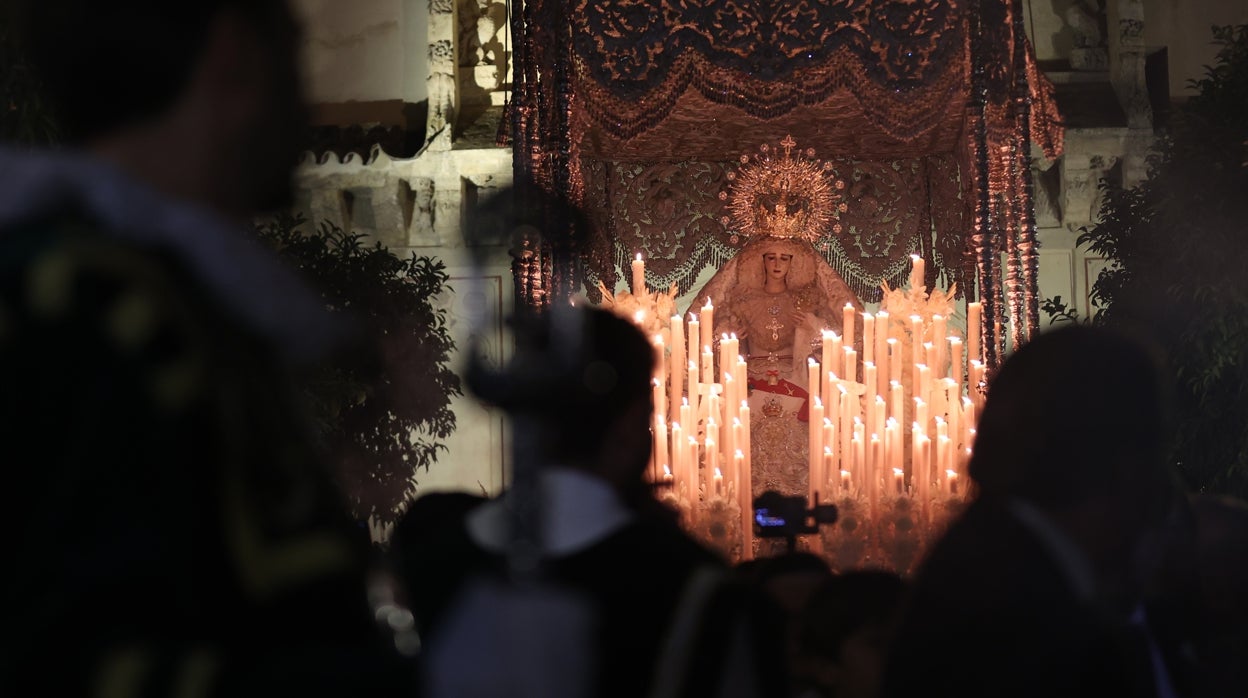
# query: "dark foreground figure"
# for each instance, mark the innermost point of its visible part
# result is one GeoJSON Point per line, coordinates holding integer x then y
{"type": "Point", "coordinates": [172, 531]}
{"type": "Point", "coordinates": [1037, 590]}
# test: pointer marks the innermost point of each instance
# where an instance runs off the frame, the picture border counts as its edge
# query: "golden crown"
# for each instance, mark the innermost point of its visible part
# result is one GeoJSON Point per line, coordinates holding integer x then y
{"type": "Point", "coordinates": [792, 195]}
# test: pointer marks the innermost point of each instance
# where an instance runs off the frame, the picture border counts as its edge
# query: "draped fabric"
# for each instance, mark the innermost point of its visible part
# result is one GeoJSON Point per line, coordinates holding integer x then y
{"type": "Point", "coordinates": [633, 109]}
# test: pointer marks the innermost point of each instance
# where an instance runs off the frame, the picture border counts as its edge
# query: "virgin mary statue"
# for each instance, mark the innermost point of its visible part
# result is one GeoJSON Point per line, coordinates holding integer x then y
{"type": "Point", "coordinates": [777, 295]}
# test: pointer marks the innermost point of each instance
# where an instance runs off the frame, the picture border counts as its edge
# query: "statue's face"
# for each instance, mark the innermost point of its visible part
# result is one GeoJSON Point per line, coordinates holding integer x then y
{"type": "Point", "coordinates": [776, 264]}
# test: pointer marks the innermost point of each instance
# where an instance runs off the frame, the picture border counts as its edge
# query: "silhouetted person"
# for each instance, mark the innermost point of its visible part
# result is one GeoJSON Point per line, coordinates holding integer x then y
{"type": "Point", "coordinates": [179, 533]}
{"type": "Point", "coordinates": [1036, 590]}
{"type": "Point", "coordinates": [416, 548]}
{"type": "Point", "coordinates": [663, 607]}
{"type": "Point", "coordinates": [844, 632]}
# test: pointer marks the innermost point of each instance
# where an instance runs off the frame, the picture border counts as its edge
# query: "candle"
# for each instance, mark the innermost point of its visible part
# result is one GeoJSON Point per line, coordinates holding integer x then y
{"type": "Point", "coordinates": [868, 341]}
{"type": "Point", "coordinates": [676, 362]}
{"type": "Point", "coordinates": [738, 445]}
{"type": "Point", "coordinates": [707, 320]}
{"type": "Point", "coordinates": [815, 435]}
{"type": "Point", "coordinates": [661, 458]}
{"type": "Point", "coordinates": [639, 276]}
{"type": "Point", "coordinates": [847, 324]}
{"type": "Point", "coordinates": [708, 365]}
{"type": "Point", "coordinates": [851, 364]}
{"type": "Point", "coordinates": [829, 441]}
{"type": "Point", "coordinates": [868, 379]}
{"type": "Point", "coordinates": [974, 319]}
{"type": "Point", "coordinates": [812, 377]}
{"type": "Point", "coordinates": [925, 382]}
{"type": "Point", "coordinates": [846, 482]}
{"type": "Point", "coordinates": [881, 350]}
{"type": "Point", "coordinates": [916, 339]}
{"type": "Point", "coordinates": [896, 397]}
{"type": "Point", "coordinates": [678, 453]}
{"type": "Point", "coordinates": [939, 334]}
{"type": "Point", "coordinates": [955, 361]}
{"type": "Point", "coordinates": [694, 334]}
{"type": "Point", "coordinates": [695, 468]}
{"type": "Point", "coordinates": [660, 404]}
{"type": "Point", "coordinates": [894, 360]}
{"type": "Point", "coordinates": [917, 275]}
{"type": "Point", "coordinates": [920, 413]}
{"type": "Point", "coordinates": [952, 479]}
{"type": "Point", "coordinates": [745, 442]}
{"type": "Point", "coordinates": [899, 481]}
{"type": "Point", "coordinates": [846, 427]}
{"type": "Point", "coordinates": [827, 468]}
{"type": "Point", "coordinates": [825, 359]}
{"type": "Point", "coordinates": [718, 478]}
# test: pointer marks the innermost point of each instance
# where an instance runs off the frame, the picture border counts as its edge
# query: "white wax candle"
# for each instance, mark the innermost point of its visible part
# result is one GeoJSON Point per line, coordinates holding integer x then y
{"type": "Point", "coordinates": [974, 320]}
{"type": "Point", "coordinates": [694, 337]}
{"type": "Point", "coordinates": [847, 324]}
{"type": "Point", "coordinates": [896, 397]}
{"type": "Point", "coordinates": [676, 363]}
{"type": "Point", "coordinates": [662, 455]}
{"type": "Point", "coordinates": [939, 333]}
{"type": "Point", "coordinates": [707, 320]}
{"type": "Point", "coordinates": [956, 367]}
{"type": "Point", "coordinates": [847, 482]}
{"type": "Point", "coordinates": [812, 378]}
{"type": "Point", "coordinates": [825, 360]}
{"type": "Point", "coordinates": [868, 340]}
{"type": "Point", "coordinates": [917, 272]}
{"type": "Point", "coordinates": [639, 276]}
{"type": "Point", "coordinates": [815, 436]}
{"type": "Point", "coordinates": [851, 364]}
{"type": "Point", "coordinates": [894, 360]}
{"type": "Point", "coordinates": [916, 339]}
{"type": "Point", "coordinates": [678, 453]}
{"type": "Point", "coordinates": [719, 483]}
{"type": "Point", "coordinates": [659, 398]}
{"type": "Point", "coordinates": [881, 350]}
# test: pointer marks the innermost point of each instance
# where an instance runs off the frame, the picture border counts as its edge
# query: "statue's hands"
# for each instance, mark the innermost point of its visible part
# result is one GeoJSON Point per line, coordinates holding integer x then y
{"type": "Point", "coordinates": [800, 318]}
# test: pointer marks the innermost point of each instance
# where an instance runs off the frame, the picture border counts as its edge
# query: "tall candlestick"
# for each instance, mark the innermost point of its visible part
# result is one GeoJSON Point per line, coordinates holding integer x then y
{"type": "Point", "coordinates": [825, 360]}
{"type": "Point", "coordinates": [676, 363]}
{"type": "Point", "coordinates": [815, 434]}
{"type": "Point", "coordinates": [894, 360]}
{"type": "Point", "coordinates": [955, 360]}
{"type": "Point", "coordinates": [694, 344]}
{"type": "Point", "coordinates": [868, 340]}
{"type": "Point", "coordinates": [678, 450]}
{"type": "Point", "coordinates": [939, 334]}
{"type": "Point", "coordinates": [916, 339]}
{"type": "Point", "coordinates": [895, 397]}
{"type": "Point", "coordinates": [812, 377]}
{"type": "Point", "coordinates": [662, 457]}
{"type": "Point", "coordinates": [847, 324]}
{"type": "Point", "coordinates": [707, 319]}
{"type": "Point", "coordinates": [882, 319]}
{"type": "Point", "coordinates": [974, 319]}
{"type": "Point", "coordinates": [659, 398]}
{"type": "Point", "coordinates": [917, 272]}
{"type": "Point", "coordinates": [639, 276]}
{"type": "Point", "coordinates": [851, 364]}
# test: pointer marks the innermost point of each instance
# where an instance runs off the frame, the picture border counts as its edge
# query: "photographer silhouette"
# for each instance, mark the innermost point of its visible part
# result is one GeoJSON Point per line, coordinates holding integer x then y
{"type": "Point", "coordinates": [780, 516]}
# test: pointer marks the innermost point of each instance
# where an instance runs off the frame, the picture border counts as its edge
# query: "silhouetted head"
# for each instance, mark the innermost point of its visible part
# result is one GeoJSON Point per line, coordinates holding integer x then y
{"type": "Point", "coordinates": [1077, 413]}
{"type": "Point", "coordinates": [845, 630]}
{"type": "Point", "coordinates": [217, 76]}
{"type": "Point", "coordinates": [606, 427]}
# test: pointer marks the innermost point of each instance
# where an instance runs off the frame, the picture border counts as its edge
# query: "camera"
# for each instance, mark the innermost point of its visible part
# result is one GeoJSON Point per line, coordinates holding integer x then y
{"type": "Point", "coordinates": [780, 516]}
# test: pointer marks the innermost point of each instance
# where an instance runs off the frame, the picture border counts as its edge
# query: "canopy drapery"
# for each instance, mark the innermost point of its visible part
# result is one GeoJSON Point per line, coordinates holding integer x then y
{"type": "Point", "coordinates": [634, 110]}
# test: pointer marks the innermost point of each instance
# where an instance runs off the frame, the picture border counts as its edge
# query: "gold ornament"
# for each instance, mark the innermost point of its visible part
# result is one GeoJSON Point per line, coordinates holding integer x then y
{"type": "Point", "coordinates": [789, 195]}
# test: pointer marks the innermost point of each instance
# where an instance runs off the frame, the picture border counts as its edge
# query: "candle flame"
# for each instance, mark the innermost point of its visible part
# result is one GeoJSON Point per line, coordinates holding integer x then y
{"type": "Point", "coordinates": [818, 402]}
{"type": "Point", "coordinates": [736, 421]}
{"type": "Point", "coordinates": [739, 454]}
{"type": "Point", "coordinates": [638, 256]}
{"type": "Point", "coordinates": [827, 421]}
{"type": "Point", "coordinates": [898, 472]}
{"type": "Point", "coordinates": [718, 474]}
{"type": "Point", "coordinates": [639, 315]}
{"type": "Point", "coordinates": [953, 475]}
{"type": "Point", "coordinates": [849, 306]}
{"type": "Point", "coordinates": [667, 472]}
{"type": "Point", "coordinates": [811, 362]}
{"type": "Point", "coordinates": [827, 450]}
{"type": "Point", "coordinates": [708, 305]}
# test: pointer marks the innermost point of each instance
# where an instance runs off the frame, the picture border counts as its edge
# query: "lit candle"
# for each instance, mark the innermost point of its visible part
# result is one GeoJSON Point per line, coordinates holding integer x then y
{"type": "Point", "coordinates": [974, 319]}
{"type": "Point", "coordinates": [899, 481]}
{"type": "Point", "coordinates": [925, 382]}
{"type": "Point", "coordinates": [920, 413]}
{"type": "Point", "coordinates": [639, 276]}
{"type": "Point", "coordinates": [829, 442]}
{"type": "Point", "coordinates": [846, 428]}
{"type": "Point", "coordinates": [881, 350]}
{"type": "Point", "coordinates": [825, 360]}
{"type": "Point", "coordinates": [847, 324]}
{"type": "Point", "coordinates": [894, 360]}
{"type": "Point", "coordinates": [694, 334]}
{"type": "Point", "coordinates": [815, 435]}
{"type": "Point", "coordinates": [916, 339]}
{"type": "Point", "coordinates": [846, 482]}
{"type": "Point", "coordinates": [707, 320]}
{"type": "Point", "coordinates": [955, 361]}
{"type": "Point", "coordinates": [851, 364]}
{"type": "Point", "coordinates": [896, 397]}
{"type": "Point", "coordinates": [661, 458]}
{"type": "Point", "coordinates": [917, 280]}
{"type": "Point", "coordinates": [868, 379]}
{"type": "Point", "coordinates": [719, 483]}
{"type": "Point", "coordinates": [676, 383]}
{"type": "Point", "coordinates": [868, 341]}
{"type": "Point", "coordinates": [939, 333]}
{"type": "Point", "coordinates": [812, 377]}
{"type": "Point", "coordinates": [678, 453]}
{"type": "Point", "coordinates": [708, 365]}
{"type": "Point", "coordinates": [952, 479]}
{"type": "Point", "coordinates": [827, 468]}
{"type": "Point", "coordinates": [660, 404]}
